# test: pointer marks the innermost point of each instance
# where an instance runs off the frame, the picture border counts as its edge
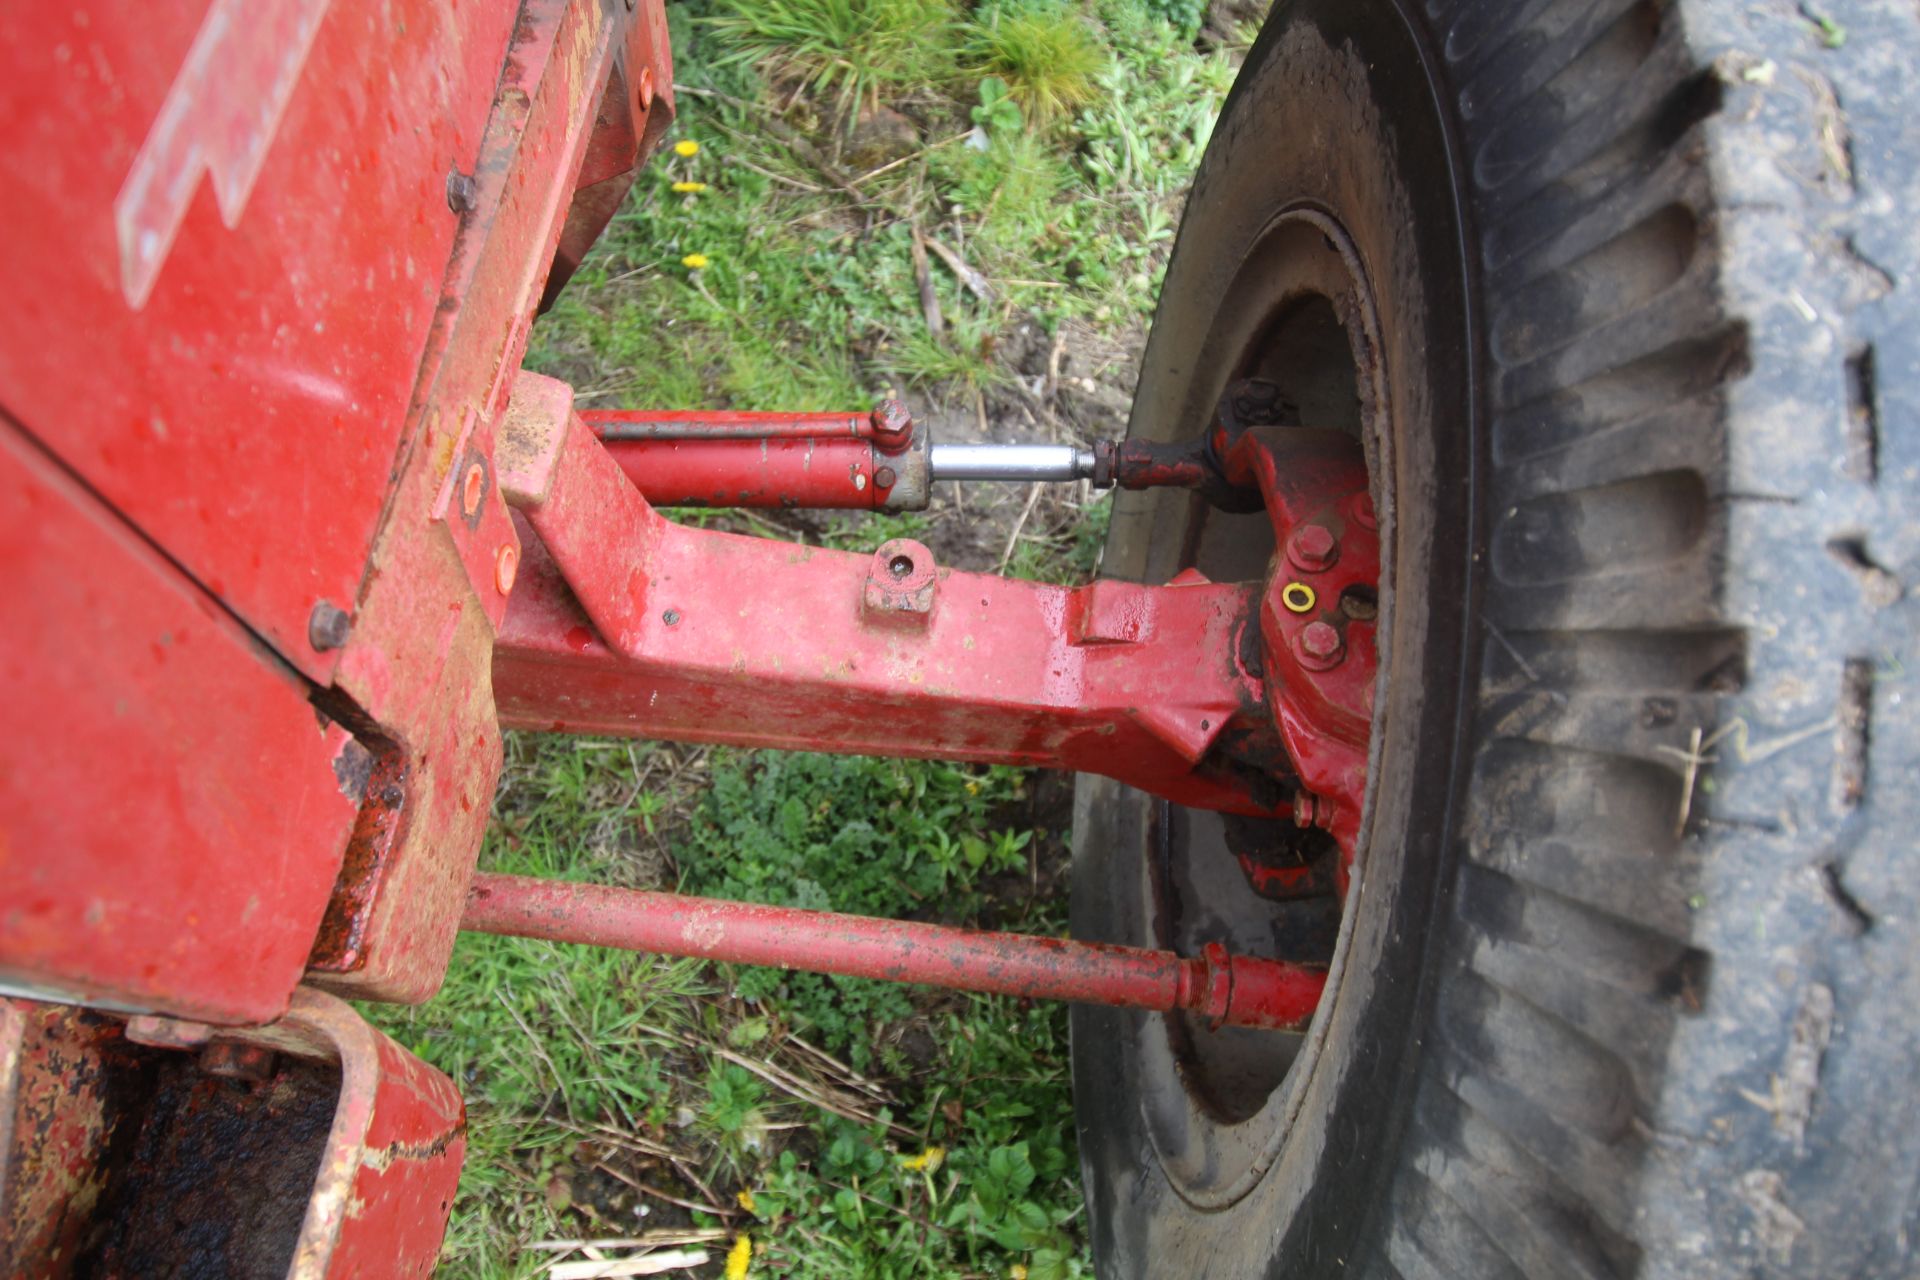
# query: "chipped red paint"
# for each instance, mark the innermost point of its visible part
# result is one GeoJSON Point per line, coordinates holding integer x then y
{"type": "Point", "coordinates": [1143, 464]}
{"type": "Point", "coordinates": [63, 1095]}
{"type": "Point", "coordinates": [370, 850]}
{"type": "Point", "coordinates": [418, 660]}
{"type": "Point", "coordinates": [1240, 991]}
{"type": "Point", "coordinates": [636, 107]}
{"type": "Point", "coordinates": [392, 1162]}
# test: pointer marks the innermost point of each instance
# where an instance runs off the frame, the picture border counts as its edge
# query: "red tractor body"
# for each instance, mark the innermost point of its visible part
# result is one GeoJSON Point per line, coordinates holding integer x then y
{"type": "Point", "coordinates": [291, 536]}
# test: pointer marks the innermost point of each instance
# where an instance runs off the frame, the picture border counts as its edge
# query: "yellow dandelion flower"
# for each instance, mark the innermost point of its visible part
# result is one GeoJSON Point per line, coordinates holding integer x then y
{"type": "Point", "coordinates": [689, 188]}
{"type": "Point", "coordinates": [929, 1160]}
{"type": "Point", "coordinates": [745, 1197]}
{"type": "Point", "coordinates": [694, 261]}
{"type": "Point", "coordinates": [973, 788]}
{"type": "Point", "coordinates": [739, 1257]}
{"type": "Point", "coordinates": [686, 147]}
{"type": "Point", "coordinates": [1018, 1271]}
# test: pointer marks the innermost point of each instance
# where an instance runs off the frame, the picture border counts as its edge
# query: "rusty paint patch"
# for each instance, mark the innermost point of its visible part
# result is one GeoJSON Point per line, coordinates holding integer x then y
{"type": "Point", "coordinates": [338, 947]}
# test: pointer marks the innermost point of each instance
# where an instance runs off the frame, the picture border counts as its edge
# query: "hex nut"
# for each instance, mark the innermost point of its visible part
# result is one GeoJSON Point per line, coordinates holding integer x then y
{"type": "Point", "coordinates": [1319, 646]}
{"type": "Point", "coordinates": [892, 425]}
{"type": "Point", "coordinates": [1312, 547]}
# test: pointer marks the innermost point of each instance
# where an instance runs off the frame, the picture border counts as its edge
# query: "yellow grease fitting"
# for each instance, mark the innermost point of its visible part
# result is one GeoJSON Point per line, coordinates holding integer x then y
{"type": "Point", "coordinates": [1298, 597]}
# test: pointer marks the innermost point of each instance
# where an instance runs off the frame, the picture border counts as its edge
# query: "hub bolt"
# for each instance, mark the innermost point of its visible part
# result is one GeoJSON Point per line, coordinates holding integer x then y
{"type": "Point", "coordinates": [1312, 548]}
{"type": "Point", "coordinates": [1320, 646]}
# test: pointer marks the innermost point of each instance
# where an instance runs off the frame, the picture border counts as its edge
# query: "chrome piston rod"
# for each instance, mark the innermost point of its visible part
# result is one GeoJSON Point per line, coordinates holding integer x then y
{"type": "Point", "coordinates": [1010, 462]}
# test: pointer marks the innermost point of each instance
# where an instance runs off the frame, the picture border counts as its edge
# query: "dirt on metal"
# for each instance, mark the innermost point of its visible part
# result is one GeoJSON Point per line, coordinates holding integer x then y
{"type": "Point", "coordinates": [217, 1178]}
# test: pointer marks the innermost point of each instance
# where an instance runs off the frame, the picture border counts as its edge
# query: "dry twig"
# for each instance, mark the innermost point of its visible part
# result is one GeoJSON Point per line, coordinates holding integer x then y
{"type": "Point", "coordinates": [1013, 536]}
{"type": "Point", "coordinates": [906, 159]}
{"type": "Point", "coordinates": [640, 1264]}
{"type": "Point", "coordinates": [972, 280]}
{"type": "Point", "coordinates": [923, 279]}
{"type": "Point", "coordinates": [646, 1190]}
{"type": "Point", "coordinates": [645, 1240]}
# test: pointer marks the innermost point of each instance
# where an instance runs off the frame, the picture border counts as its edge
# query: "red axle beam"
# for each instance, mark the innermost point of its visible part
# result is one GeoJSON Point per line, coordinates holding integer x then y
{"type": "Point", "coordinates": [622, 622]}
{"type": "Point", "coordinates": [1238, 991]}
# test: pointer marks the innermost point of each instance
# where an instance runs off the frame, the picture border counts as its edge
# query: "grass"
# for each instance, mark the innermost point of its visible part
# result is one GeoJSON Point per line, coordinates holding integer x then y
{"type": "Point", "coordinates": [1047, 56]}
{"type": "Point", "coordinates": [850, 51]}
{"type": "Point", "coordinates": [844, 1128]}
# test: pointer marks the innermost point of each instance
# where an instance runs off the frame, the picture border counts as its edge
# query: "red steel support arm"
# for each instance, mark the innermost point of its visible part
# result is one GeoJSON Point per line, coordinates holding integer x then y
{"type": "Point", "coordinates": [624, 623]}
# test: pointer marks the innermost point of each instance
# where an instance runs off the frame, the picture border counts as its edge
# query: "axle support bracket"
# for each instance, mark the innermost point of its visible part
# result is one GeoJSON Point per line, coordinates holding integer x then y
{"type": "Point", "coordinates": [625, 623]}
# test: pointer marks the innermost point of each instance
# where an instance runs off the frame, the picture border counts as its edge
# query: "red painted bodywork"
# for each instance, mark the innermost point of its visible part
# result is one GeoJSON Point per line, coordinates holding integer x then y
{"type": "Point", "coordinates": [1239, 991]}
{"type": "Point", "coordinates": [291, 537]}
{"type": "Point", "coordinates": [279, 408]}
{"type": "Point", "coordinates": [246, 414]}
{"type": "Point", "coordinates": [156, 854]}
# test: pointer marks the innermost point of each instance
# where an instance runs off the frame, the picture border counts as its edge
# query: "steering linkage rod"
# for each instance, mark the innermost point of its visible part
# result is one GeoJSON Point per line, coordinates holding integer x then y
{"type": "Point", "coordinates": [1227, 990]}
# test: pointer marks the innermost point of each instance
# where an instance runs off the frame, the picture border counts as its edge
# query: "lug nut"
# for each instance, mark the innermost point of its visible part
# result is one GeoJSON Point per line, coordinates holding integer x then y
{"type": "Point", "coordinates": [1312, 548]}
{"type": "Point", "coordinates": [1320, 646]}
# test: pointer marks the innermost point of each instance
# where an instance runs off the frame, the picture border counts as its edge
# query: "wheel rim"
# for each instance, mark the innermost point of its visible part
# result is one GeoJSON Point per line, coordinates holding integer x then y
{"type": "Point", "coordinates": [1340, 111]}
{"type": "Point", "coordinates": [1299, 315]}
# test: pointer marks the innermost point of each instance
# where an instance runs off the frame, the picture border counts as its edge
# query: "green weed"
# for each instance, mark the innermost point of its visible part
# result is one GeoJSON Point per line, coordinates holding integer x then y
{"type": "Point", "coordinates": [846, 833]}
{"type": "Point", "coordinates": [1048, 57]}
{"type": "Point", "coordinates": [1184, 16]}
{"type": "Point", "coordinates": [851, 49]}
{"type": "Point", "coordinates": [997, 112]}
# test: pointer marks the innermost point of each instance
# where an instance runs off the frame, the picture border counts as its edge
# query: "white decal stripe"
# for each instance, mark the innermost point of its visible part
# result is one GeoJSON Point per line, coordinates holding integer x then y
{"type": "Point", "coordinates": [219, 118]}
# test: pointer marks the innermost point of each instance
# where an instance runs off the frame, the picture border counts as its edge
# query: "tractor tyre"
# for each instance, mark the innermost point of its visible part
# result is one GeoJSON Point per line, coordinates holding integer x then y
{"type": "Point", "coordinates": [1622, 298]}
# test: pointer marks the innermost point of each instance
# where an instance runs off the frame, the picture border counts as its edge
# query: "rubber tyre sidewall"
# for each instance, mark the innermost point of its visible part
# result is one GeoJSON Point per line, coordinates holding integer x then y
{"type": "Point", "coordinates": [1324, 116]}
